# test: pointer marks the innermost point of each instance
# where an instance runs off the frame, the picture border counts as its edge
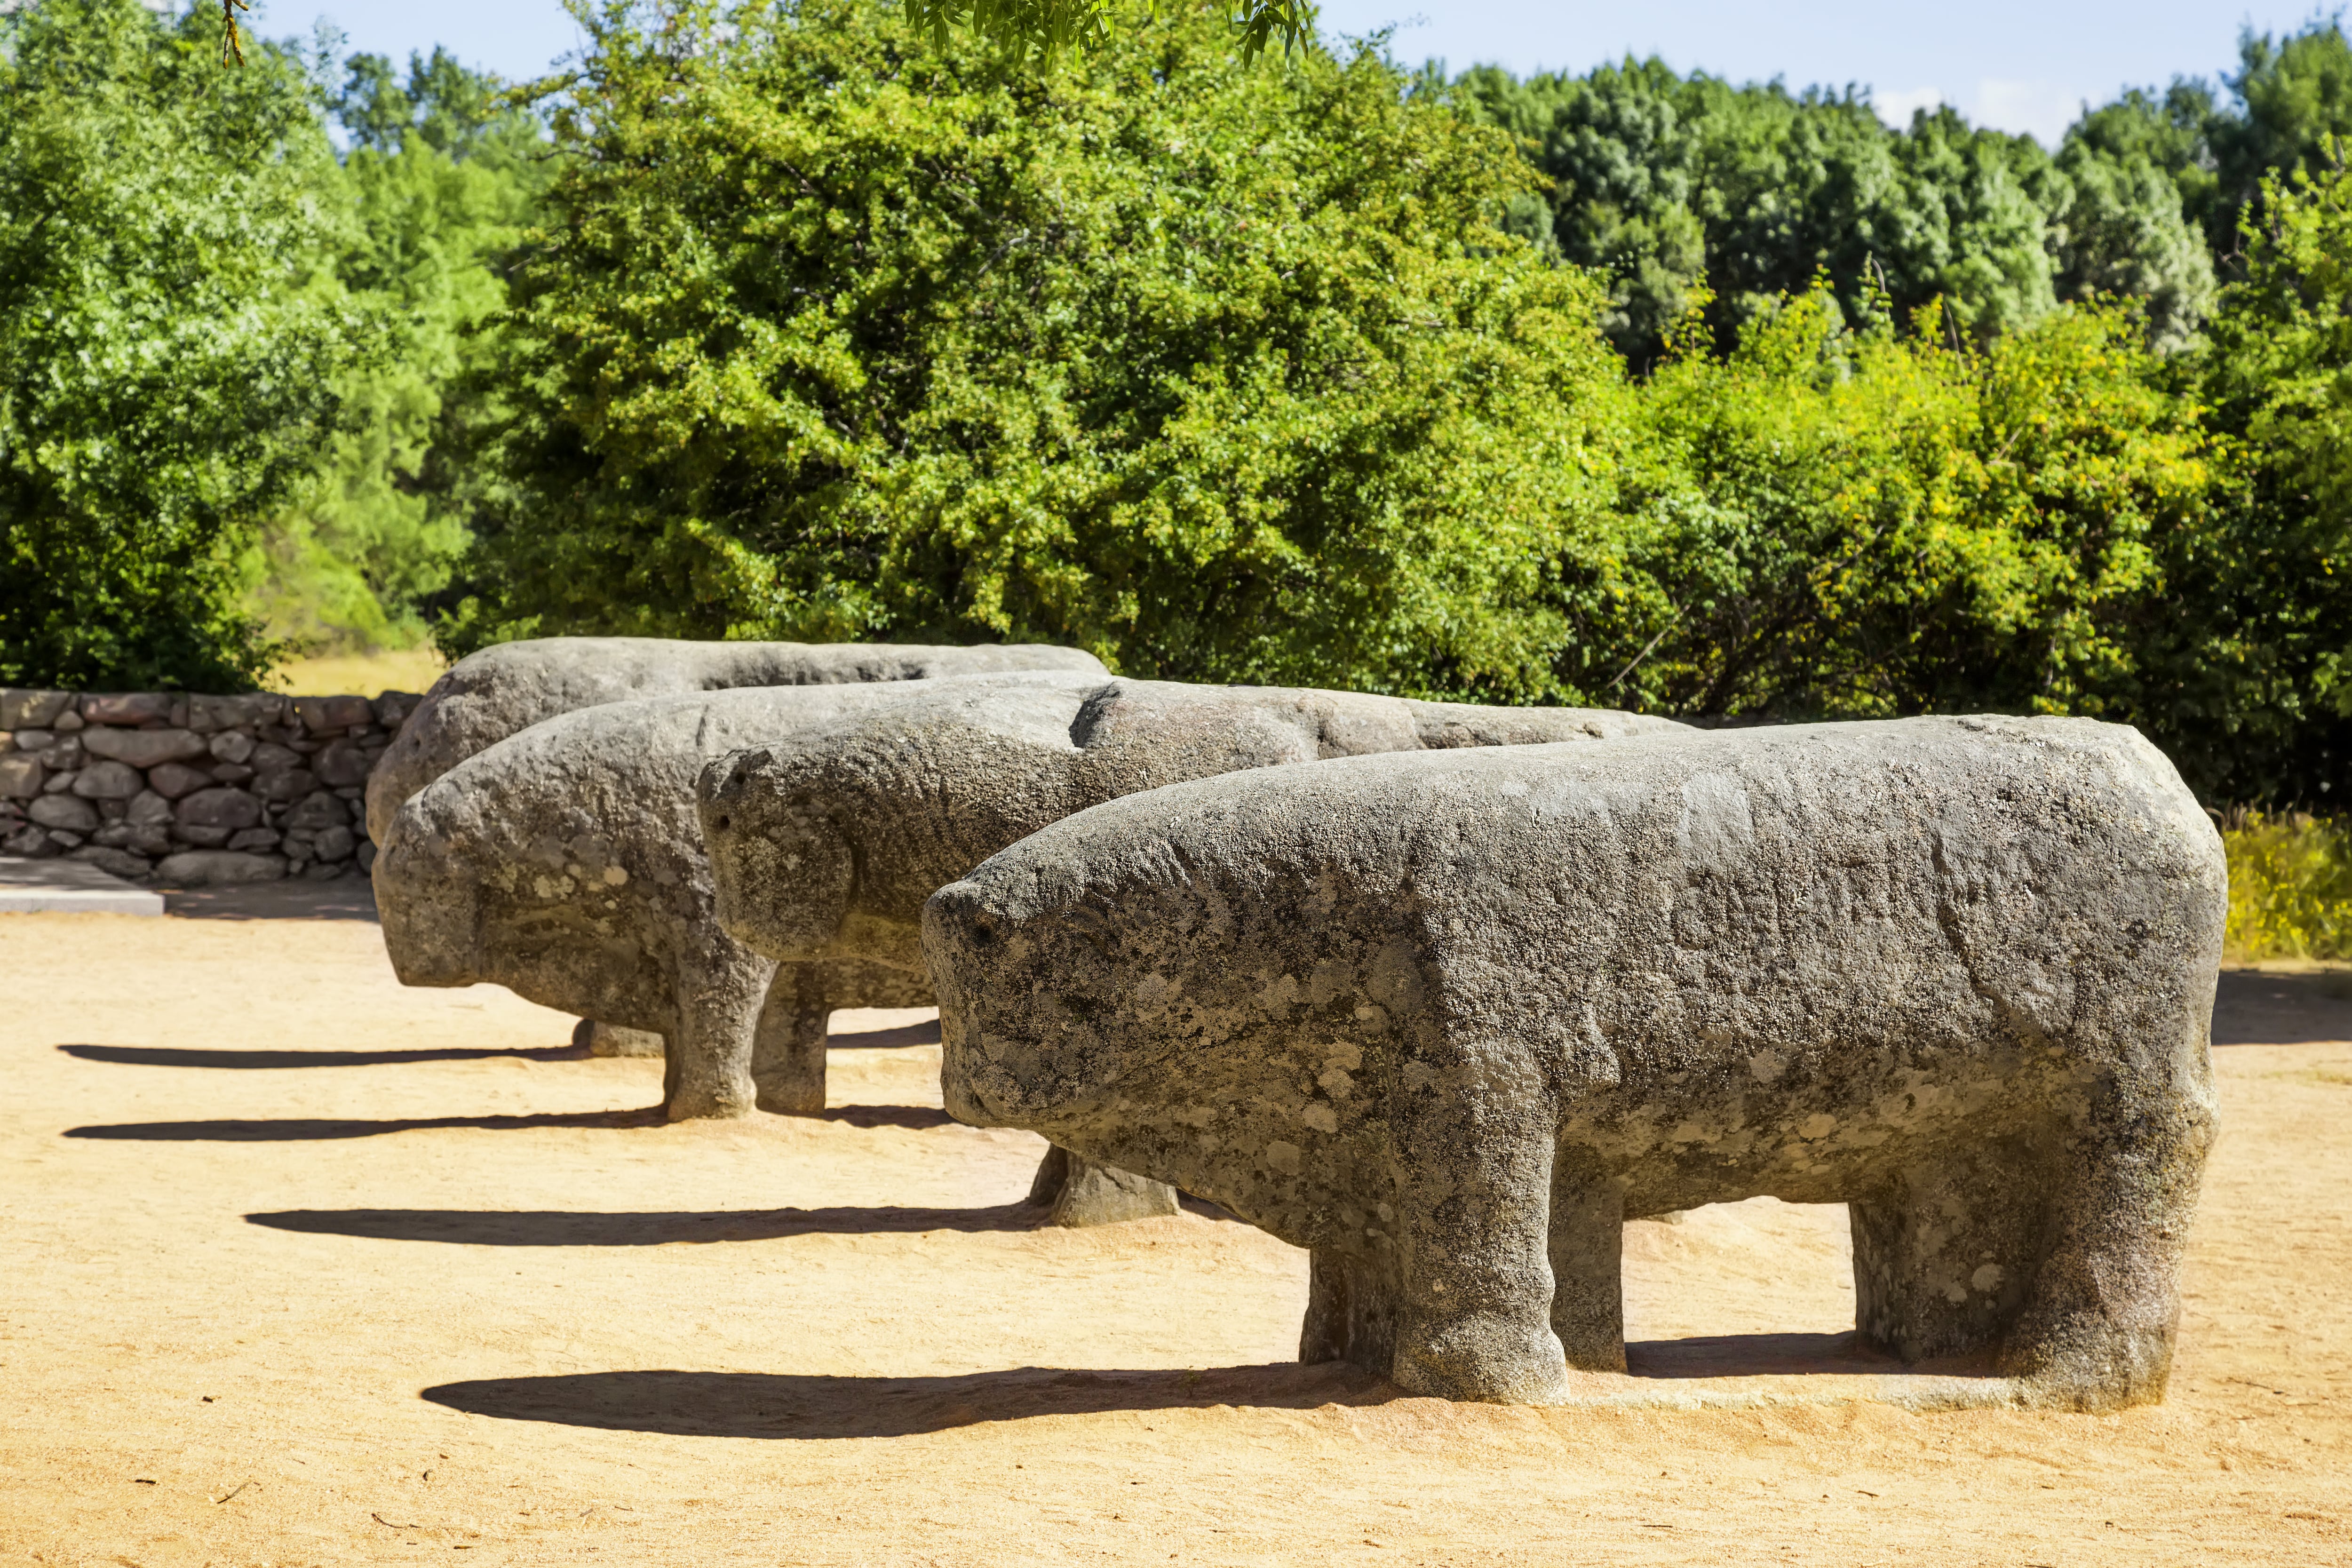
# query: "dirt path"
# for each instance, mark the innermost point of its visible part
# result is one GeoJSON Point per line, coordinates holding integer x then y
{"type": "Point", "coordinates": [299, 1267]}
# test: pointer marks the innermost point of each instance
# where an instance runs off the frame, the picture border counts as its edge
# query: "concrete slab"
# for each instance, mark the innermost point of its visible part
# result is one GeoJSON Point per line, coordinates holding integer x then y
{"type": "Point", "coordinates": [73, 887]}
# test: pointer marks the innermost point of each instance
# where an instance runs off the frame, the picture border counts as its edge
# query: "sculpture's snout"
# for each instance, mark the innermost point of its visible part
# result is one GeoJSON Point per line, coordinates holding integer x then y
{"type": "Point", "coordinates": [957, 934]}
{"type": "Point", "coordinates": [430, 907]}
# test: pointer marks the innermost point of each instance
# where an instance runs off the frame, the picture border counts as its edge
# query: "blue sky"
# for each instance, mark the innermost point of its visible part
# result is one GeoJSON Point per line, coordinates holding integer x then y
{"type": "Point", "coordinates": [2021, 65]}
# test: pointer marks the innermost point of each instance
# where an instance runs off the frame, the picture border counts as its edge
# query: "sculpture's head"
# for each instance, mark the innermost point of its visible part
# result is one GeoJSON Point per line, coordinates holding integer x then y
{"type": "Point", "coordinates": [1032, 1003]}
{"type": "Point", "coordinates": [427, 894]}
{"type": "Point", "coordinates": [781, 863]}
{"type": "Point", "coordinates": [1106, 943]}
{"type": "Point", "coordinates": [505, 689]}
{"type": "Point", "coordinates": [516, 870]}
{"type": "Point", "coordinates": [825, 842]}
{"type": "Point", "coordinates": [457, 717]}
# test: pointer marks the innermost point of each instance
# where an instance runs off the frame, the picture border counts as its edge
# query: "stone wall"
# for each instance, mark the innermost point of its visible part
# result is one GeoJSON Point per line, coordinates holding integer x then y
{"type": "Point", "coordinates": [176, 790]}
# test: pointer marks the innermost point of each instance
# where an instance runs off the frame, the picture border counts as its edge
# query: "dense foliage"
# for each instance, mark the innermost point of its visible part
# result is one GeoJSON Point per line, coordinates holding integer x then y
{"type": "Point", "coordinates": [1682, 187]}
{"type": "Point", "coordinates": [1019, 30]}
{"type": "Point", "coordinates": [1223, 373]}
{"type": "Point", "coordinates": [794, 319]}
{"type": "Point", "coordinates": [2282, 106]}
{"type": "Point", "coordinates": [171, 345]}
{"type": "Point", "coordinates": [2258, 628]}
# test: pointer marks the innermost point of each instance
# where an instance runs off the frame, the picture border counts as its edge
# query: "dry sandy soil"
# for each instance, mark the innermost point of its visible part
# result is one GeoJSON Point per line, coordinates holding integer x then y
{"type": "Point", "coordinates": [299, 1267]}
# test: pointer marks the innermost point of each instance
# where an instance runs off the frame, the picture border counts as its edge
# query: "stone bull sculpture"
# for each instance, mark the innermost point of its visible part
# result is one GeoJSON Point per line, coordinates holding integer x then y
{"type": "Point", "coordinates": [1449, 1020]}
{"type": "Point", "coordinates": [504, 689]}
{"type": "Point", "coordinates": [565, 863]}
{"type": "Point", "coordinates": [825, 843]}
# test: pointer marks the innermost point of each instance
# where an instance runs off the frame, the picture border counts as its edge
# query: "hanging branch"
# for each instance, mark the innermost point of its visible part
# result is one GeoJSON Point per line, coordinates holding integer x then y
{"type": "Point", "coordinates": [232, 47]}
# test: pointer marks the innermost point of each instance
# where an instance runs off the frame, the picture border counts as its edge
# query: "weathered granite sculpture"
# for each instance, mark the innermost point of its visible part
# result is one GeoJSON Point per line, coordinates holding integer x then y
{"type": "Point", "coordinates": [500, 690]}
{"type": "Point", "coordinates": [1448, 1020]}
{"type": "Point", "coordinates": [825, 843]}
{"type": "Point", "coordinates": [565, 863]}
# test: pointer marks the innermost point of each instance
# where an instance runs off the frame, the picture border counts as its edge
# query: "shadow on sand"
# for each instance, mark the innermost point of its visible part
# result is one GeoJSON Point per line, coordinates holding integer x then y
{"type": "Point", "coordinates": [659, 1228]}
{"type": "Point", "coordinates": [340, 899]}
{"type": "Point", "coordinates": [1781, 1355]}
{"type": "Point", "coordinates": [303, 1129]}
{"type": "Point", "coordinates": [300, 1130]}
{"type": "Point", "coordinates": [806, 1406]}
{"type": "Point", "coordinates": [781, 1404]}
{"type": "Point", "coordinates": [529, 1228]}
{"type": "Point", "coordinates": [189, 1056]}
{"type": "Point", "coordinates": [923, 1034]}
{"type": "Point", "coordinates": [2282, 1007]}
{"type": "Point", "coordinates": [915, 1118]}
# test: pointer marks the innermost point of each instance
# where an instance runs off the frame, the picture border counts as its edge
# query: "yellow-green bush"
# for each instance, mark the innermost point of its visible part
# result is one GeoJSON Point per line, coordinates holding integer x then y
{"type": "Point", "coordinates": [2290, 887]}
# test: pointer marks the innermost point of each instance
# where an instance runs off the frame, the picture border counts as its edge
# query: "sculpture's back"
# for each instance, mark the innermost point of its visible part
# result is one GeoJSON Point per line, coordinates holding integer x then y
{"type": "Point", "coordinates": [505, 689]}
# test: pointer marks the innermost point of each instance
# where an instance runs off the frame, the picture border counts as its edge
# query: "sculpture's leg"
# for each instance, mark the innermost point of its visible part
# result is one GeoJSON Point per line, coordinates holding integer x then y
{"type": "Point", "coordinates": [1943, 1256]}
{"type": "Point", "coordinates": [788, 1043]}
{"type": "Point", "coordinates": [1587, 1251]}
{"type": "Point", "coordinates": [2096, 1332]}
{"type": "Point", "coordinates": [1350, 1310]}
{"type": "Point", "coordinates": [1474, 1148]}
{"type": "Point", "coordinates": [1053, 1172]}
{"type": "Point", "coordinates": [709, 1071]}
{"type": "Point", "coordinates": [1081, 1192]}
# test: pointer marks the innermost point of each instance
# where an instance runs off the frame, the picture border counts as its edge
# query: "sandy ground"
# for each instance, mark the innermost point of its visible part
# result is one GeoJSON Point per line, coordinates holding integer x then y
{"type": "Point", "coordinates": [299, 1267]}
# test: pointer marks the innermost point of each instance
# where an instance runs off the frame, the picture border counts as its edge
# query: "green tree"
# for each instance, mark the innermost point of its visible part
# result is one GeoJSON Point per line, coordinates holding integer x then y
{"type": "Point", "coordinates": [2281, 106]}
{"type": "Point", "coordinates": [2117, 229]}
{"type": "Point", "coordinates": [2167, 132]}
{"type": "Point", "coordinates": [1225, 372]}
{"type": "Point", "coordinates": [1044, 28]}
{"type": "Point", "coordinates": [1868, 523]}
{"type": "Point", "coordinates": [172, 339]}
{"type": "Point", "coordinates": [2292, 111]}
{"type": "Point", "coordinates": [2250, 666]}
{"type": "Point", "coordinates": [1675, 188]}
{"type": "Point", "coordinates": [442, 181]}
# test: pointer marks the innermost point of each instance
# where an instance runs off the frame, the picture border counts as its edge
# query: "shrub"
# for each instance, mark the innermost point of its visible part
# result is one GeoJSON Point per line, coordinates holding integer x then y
{"type": "Point", "coordinates": [2290, 887]}
{"type": "Point", "coordinates": [1831, 522]}
{"type": "Point", "coordinates": [2246, 678]}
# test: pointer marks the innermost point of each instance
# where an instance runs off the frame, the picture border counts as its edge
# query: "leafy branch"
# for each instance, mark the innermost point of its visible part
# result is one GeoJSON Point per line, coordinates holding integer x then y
{"type": "Point", "coordinates": [1046, 29]}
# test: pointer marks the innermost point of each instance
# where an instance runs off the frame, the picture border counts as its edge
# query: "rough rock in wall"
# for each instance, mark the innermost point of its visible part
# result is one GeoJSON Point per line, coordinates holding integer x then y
{"type": "Point", "coordinates": [181, 790]}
